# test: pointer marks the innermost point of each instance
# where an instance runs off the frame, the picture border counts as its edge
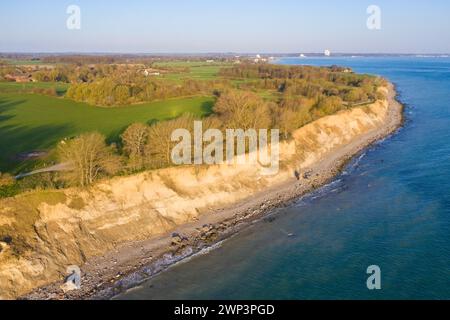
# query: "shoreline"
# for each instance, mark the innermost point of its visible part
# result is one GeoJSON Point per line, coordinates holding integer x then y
{"type": "Point", "coordinates": [135, 262]}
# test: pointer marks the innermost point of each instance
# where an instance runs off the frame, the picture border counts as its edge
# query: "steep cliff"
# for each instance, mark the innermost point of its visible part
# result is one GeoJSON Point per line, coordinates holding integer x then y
{"type": "Point", "coordinates": [53, 229]}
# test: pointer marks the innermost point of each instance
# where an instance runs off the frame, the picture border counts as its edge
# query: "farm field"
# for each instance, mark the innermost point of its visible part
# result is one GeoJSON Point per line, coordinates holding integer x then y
{"type": "Point", "coordinates": [197, 70]}
{"type": "Point", "coordinates": [36, 122]}
{"type": "Point", "coordinates": [15, 87]}
{"type": "Point", "coordinates": [21, 62]}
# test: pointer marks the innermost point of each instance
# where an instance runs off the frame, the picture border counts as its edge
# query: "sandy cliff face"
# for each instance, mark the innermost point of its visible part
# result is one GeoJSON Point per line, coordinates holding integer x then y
{"type": "Point", "coordinates": [61, 228]}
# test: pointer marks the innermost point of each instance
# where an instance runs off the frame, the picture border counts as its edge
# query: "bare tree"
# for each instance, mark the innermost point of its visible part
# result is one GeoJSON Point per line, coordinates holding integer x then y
{"type": "Point", "coordinates": [134, 140]}
{"type": "Point", "coordinates": [288, 121]}
{"type": "Point", "coordinates": [159, 146]}
{"type": "Point", "coordinates": [89, 158]}
{"type": "Point", "coordinates": [243, 110]}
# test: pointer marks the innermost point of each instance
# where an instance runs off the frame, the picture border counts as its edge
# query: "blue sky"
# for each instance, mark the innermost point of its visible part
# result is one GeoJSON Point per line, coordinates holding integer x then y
{"type": "Point", "coordinates": [156, 26]}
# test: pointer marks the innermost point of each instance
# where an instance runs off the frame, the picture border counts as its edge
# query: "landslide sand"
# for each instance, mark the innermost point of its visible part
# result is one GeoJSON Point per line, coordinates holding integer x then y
{"type": "Point", "coordinates": [136, 261]}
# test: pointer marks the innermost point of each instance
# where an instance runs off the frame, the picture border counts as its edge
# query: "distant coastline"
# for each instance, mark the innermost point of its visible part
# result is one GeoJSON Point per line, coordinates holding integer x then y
{"type": "Point", "coordinates": [136, 262]}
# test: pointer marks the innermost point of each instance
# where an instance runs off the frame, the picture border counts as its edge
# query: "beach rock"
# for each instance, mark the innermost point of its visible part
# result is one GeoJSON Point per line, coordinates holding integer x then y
{"type": "Point", "coordinates": [73, 280]}
{"type": "Point", "coordinates": [269, 219]}
{"type": "Point", "coordinates": [206, 228]}
{"type": "Point", "coordinates": [178, 239]}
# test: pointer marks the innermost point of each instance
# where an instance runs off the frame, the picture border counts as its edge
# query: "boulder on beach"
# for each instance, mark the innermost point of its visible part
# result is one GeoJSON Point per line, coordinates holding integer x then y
{"type": "Point", "coordinates": [73, 280]}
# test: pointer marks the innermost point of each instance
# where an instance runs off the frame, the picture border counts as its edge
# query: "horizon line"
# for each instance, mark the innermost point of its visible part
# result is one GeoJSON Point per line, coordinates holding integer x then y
{"type": "Point", "coordinates": [340, 53]}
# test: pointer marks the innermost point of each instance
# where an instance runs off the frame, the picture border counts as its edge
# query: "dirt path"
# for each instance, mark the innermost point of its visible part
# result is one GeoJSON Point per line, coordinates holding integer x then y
{"type": "Point", "coordinates": [55, 168]}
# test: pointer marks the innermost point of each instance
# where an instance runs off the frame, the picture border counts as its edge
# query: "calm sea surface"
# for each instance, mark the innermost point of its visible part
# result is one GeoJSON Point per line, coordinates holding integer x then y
{"type": "Point", "coordinates": [391, 208]}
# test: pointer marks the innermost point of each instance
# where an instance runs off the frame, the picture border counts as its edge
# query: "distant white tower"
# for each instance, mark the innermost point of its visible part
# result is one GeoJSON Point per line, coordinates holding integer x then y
{"type": "Point", "coordinates": [327, 53]}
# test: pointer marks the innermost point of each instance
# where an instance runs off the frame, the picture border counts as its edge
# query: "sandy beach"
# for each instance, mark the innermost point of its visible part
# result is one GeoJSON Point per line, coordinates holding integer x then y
{"type": "Point", "coordinates": [106, 276]}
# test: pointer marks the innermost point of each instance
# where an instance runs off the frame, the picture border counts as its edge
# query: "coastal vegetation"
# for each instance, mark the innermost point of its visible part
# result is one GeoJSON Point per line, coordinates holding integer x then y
{"type": "Point", "coordinates": [88, 159]}
{"type": "Point", "coordinates": [122, 111]}
{"type": "Point", "coordinates": [46, 230]}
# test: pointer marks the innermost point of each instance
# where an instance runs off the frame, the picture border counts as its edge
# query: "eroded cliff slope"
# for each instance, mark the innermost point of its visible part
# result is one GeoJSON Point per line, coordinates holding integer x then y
{"type": "Point", "coordinates": [53, 229]}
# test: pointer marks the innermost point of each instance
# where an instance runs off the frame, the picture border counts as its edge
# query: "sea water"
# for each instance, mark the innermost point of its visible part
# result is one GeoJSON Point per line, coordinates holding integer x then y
{"type": "Point", "coordinates": [390, 208]}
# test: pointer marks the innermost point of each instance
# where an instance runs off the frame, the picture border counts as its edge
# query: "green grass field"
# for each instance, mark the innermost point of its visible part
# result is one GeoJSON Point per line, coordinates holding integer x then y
{"type": "Point", "coordinates": [15, 87]}
{"type": "Point", "coordinates": [22, 62]}
{"type": "Point", "coordinates": [196, 73]}
{"type": "Point", "coordinates": [30, 122]}
{"type": "Point", "coordinates": [197, 70]}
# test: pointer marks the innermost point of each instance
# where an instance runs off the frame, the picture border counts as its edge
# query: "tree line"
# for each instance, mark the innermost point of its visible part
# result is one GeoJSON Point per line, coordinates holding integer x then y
{"type": "Point", "coordinates": [115, 91]}
{"type": "Point", "coordinates": [144, 146]}
{"type": "Point", "coordinates": [303, 94]}
{"type": "Point", "coordinates": [149, 146]}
